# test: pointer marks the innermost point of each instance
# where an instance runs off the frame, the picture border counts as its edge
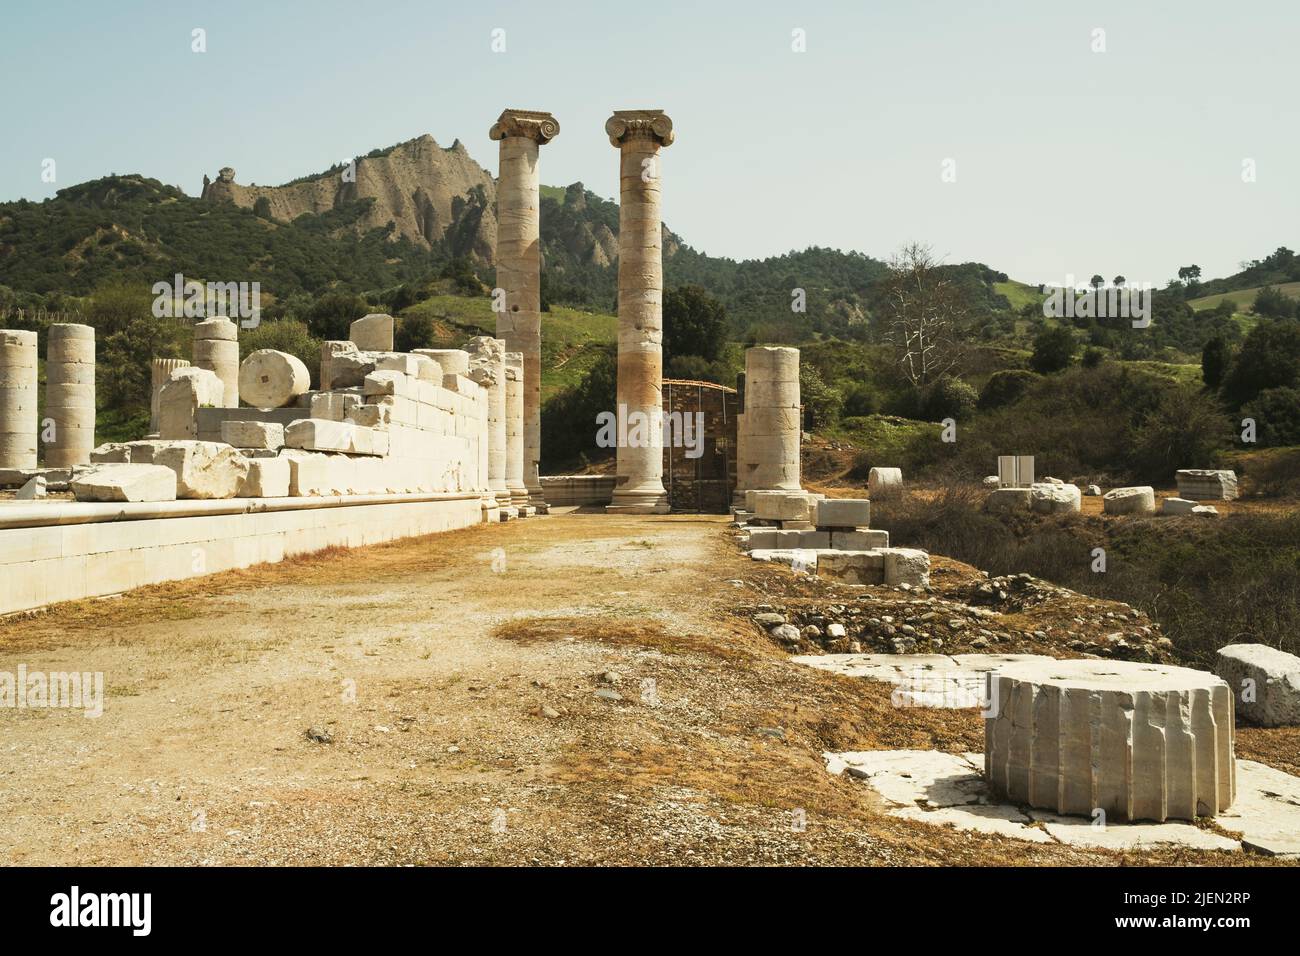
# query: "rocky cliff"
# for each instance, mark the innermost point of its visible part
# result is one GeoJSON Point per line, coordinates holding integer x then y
{"type": "Point", "coordinates": [430, 194]}
{"type": "Point", "coordinates": [436, 196]}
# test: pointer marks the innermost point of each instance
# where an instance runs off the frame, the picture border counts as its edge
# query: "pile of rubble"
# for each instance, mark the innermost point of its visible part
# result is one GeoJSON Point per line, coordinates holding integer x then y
{"type": "Point", "coordinates": [969, 617]}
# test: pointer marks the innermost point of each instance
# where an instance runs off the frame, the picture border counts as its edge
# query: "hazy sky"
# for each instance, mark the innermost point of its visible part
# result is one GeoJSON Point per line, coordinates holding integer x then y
{"type": "Point", "coordinates": [1067, 160]}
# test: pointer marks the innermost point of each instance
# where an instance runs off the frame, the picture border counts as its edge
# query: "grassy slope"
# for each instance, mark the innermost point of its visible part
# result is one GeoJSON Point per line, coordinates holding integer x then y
{"type": "Point", "coordinates": [1018, 294]}
{"type": "Point", "coordinates": [1242, 298]}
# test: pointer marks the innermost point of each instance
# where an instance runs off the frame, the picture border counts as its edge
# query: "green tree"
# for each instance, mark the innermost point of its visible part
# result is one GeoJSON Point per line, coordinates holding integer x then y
{"type": "Point", "coordinates": [694, 323]}
{"type": "Point", "coordinates": [569, 418]}
{"type": "Point", "coordinates": [1215, 357]}
{"type": "Point", "coordinates": [1269, 357]}
{"type": "Point", "coordinates": [1054, 349]}
{"type": "Point", "coordinates": [1274, 304]}
{"type": "Point", "coordinates": [332, 315]}
{"type": "Point", "coordinates": [1277, 416]}
{"type": "Point", "coordinates": [822, 404]}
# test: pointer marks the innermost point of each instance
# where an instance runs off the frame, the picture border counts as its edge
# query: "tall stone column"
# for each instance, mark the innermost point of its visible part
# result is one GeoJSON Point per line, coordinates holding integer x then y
{"type": "Point", "coordinates": [17, 398]}
{"type": "Point", "coordinates": [639, 135]}
{"type": "Point", "coordinates": [514, 362]}
{"type": "Point", "coordinates": [160, 370]}
{"type": "Point", "coordinates": [216, 348]}
{"type": "Point", "coordinates": [518, 259]}
{"type": "Point", "coordinates": [487, 367]}
{"type": "Point", "coordinates": [773, 420]}
{"type": "Point", "coordinates": [70, 394]}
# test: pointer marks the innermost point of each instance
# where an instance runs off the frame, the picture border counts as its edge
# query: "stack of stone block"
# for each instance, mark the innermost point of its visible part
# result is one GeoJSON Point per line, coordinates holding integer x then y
{"type": "Point", "coordinates": [1206, 484]}
{"type": "Point", "coordinates": [831, 536]}
{"type": "Point", "coordinates": [390, 423]}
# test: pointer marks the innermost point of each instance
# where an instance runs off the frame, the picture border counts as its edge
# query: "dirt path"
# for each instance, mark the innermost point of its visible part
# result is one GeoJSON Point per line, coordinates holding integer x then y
{"type": "Point", "coordinates": [463, 683]}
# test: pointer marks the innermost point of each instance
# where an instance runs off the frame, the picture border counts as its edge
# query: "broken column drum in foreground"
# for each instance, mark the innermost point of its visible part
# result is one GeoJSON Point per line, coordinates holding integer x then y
{"type": "Point", "coordinates": [518, 261]}
{"type": "Point", "coordinates": [1136, 741]}
{"type": "Point", "coordinates": [18, 386]}
{"type": "Point", "coordinates": [70, 394]}
{"type": "Point", "coordinates": [773, 420]}
{"type": "Point", "coordinates": [639, 135]}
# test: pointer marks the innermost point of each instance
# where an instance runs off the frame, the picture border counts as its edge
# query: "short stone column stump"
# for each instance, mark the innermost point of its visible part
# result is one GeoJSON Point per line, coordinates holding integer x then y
{"type": "Point", "coordinates": [1137, 741]}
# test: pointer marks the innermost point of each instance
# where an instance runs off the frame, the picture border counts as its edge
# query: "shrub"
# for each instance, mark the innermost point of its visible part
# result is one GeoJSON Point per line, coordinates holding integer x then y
{"type": "Point", "coordinates": [1215, 356]}
{"type": "Point", "coordinates": [1269, 357]}
{"type": "Point", "coordinates": [949, 398]}
{"type": "Point", "coordinates": [286, 335]}
{"type": "Point", "coordinates": [1006, 387]}
{"type": "Point", "coordinates": [332, 315]}
{"type": "Point", "coordinates": [1092, 357]}
{"type": "Point", "coordinates": [1277, 416]}
{"type": "Point", "coordinates": [413, 332]}
{"type": "Point", "coordinates": [822, 404]}
{"type": "Point", "coordinates": [860, 400]}
{"type": "Point", "coordinates": [1053, 350]}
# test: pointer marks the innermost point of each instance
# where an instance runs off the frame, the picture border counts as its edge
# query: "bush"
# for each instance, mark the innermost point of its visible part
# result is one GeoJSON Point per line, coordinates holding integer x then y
{"type": "Point", "coordinates": [332, 315]}
{"type": "Point", "coordinates": [1269, 357]}
{"type": "Point", "coordinates": [1274, 304]}
{"type": "Point", "coordinates": [569, 418]}
{"type": "Point", "coordinates": [949, 398]}
{"type": "Point", "coordinates": [1092, 357]}
{"type": "Point", "coordinates": [694, 324]}
{"type": "Point", "coordinates": [1277, 416]}
{"type": "Point", "coordinates": [860, 401]}
{"type": "Point", "coordinates": [1215, 356]}
{"type": "Point", "coordinates": [413, 332]}
{"type": "Point", "coordinates": [822, 404]}
{"type": "Point", "coordinates": [1006, 387]}
{"type": "Point", "coordinates": [1053, 350]}
{"type": "Point", "coordinates": [1183, 431]}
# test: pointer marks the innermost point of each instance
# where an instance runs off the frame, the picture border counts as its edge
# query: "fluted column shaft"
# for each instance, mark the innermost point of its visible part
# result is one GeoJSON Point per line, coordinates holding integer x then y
{"type": "Point", "coordinates": [639, 136]}
{"type": "Point", "coordinates": [518, 261]}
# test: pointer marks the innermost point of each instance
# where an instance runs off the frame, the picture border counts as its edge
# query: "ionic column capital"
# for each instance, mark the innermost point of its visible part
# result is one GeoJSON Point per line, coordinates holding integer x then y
{"type": "Point", "coordinates": [537, 126]}
{"type": "Point", "coordinates": [627, 125]}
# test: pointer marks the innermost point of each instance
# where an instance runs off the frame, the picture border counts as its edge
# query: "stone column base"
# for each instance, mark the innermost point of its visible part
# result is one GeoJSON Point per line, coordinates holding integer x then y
{"type": "Point", "coordinates": [638, 505]}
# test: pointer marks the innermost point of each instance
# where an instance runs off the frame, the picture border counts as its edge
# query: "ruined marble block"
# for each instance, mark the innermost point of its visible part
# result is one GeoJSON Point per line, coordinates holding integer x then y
{"type": "Point", "coordinates": [251, 434]}
{"type": "Point", "coordinates": [1137, 500]}
{"type": "Point", "coordinates": [124, 482]}
{"type": "Point", "coordinates": [842, 513]}
{"type": "Point", "coordinates": [1265, 683]}
{"type": "Point", "coordinates": [1133, 741]}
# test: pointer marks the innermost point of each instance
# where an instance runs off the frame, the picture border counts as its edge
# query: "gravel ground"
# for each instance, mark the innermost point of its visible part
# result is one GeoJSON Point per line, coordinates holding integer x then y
{"type": "Point", "coordinates": [575, 689]}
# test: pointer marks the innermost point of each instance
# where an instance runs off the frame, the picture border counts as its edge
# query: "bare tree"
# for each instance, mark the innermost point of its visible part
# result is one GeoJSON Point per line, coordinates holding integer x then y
{"type": "Point", "coordinates": [923, 309]}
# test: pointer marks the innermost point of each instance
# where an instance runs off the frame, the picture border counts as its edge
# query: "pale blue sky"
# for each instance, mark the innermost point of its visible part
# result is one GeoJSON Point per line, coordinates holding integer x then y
{"type": "Point", "coordinates": [1067, 161]}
